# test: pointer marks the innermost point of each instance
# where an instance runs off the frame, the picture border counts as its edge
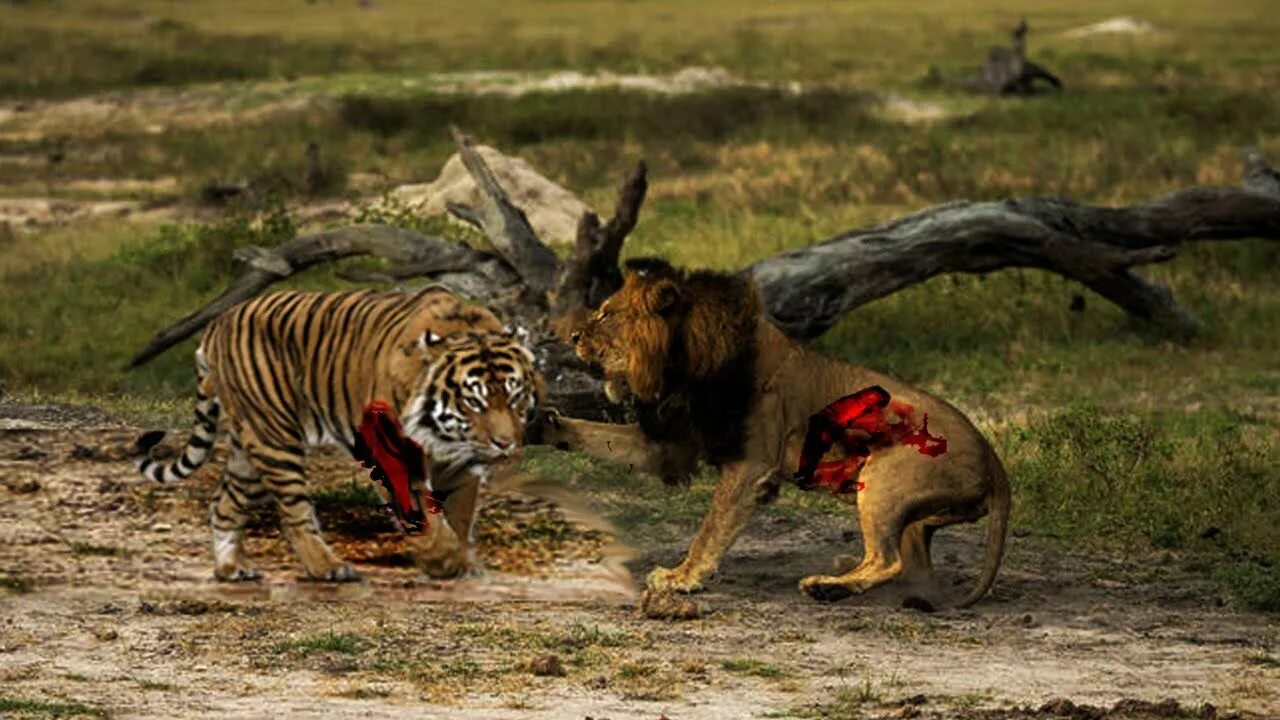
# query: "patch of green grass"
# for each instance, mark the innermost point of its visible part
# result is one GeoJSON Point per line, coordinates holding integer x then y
{"type": "Point", "coordinates": [754, 668]}
{"type": "Point", "coordinates": [329, 642]}
{"type": "Point", "coordinates": [848, 703]}
{"type": "Point", "coordinates": [56, 50]}
{"type": "Point", "coordinates": [561, 639]}
{"type": "Point", "coordinates": [43, 708]}
{"type": "Point", "coordinates": [636, 670]}
{"type": "Point", "coordinates": [1202, 482]}
{"type": "Point", "coordinates": [156, 685]}
{"type": "Point", "coordinates": [93, 549]}
{"type": "Point", "coordinates": [578, 644]}
{"type": "Point", "coordinates": [1263, 659]}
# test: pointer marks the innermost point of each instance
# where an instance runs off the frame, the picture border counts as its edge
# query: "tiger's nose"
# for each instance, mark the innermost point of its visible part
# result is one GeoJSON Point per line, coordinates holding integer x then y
{"type": "Point", "coordinates": [502, 443]}
{"type": "Point", "coordinates": [575, 335]}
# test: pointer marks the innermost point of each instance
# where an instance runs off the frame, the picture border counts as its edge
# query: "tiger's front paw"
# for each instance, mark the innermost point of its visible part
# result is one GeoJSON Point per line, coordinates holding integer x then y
{"type": "Point", "coordinates": [243, 572]}
{"type": "Point", "coordinates": [673, 580]}
{"type": "Point", "coordinates": [438, 553]}
{"type": "Point", "coordinates": [447, 567]}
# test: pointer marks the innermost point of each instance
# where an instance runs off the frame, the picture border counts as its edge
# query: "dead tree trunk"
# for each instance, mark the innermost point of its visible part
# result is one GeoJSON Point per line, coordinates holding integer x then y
{"type": "Point", "coordinates": [806, 290]}
{"type": "Point", "coordinates": [1007, 71]}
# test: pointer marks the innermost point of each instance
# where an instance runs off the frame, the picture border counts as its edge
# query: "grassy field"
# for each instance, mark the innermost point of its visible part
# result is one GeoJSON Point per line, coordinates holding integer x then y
{"type": "Point", "coordinates": [1113, 435]}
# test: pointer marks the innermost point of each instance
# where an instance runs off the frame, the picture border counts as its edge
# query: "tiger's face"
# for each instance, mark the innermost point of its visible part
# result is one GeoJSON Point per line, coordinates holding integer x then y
{"type": "Point", "coordinates": [474, 397]}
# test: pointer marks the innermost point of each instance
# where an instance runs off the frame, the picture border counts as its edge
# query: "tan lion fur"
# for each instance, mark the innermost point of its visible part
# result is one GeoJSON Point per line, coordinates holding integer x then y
{"type": "Point", "coordinates": [690, 345]}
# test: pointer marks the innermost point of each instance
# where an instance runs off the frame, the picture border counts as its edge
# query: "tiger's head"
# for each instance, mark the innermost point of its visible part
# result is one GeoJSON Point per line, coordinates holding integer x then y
{"type": "Point", "coordinates": [474, 397]}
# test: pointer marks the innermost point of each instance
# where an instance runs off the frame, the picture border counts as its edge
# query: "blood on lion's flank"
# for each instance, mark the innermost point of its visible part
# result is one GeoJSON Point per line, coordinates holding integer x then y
{"type": "Point", "coordinates": [858, 424]}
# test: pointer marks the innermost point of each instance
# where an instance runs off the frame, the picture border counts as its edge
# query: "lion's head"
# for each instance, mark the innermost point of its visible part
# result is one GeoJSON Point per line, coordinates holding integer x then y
{"type": "Point", "coordinates": [664, 327]}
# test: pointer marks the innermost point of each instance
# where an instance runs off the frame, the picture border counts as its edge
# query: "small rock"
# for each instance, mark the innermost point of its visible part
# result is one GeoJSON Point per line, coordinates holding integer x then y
{"type": "Point", "coordinates": [547, 666]}
{"type": "Point", "coordinates": [915, 700]}
{"type": "Point", "coordinates": [600, 682]}
{"type": "Point", "coordinates": [1028, 621]}
{"type": "Point", "coordinates": [161, 527]}
{"type": "Point", "coordinates": [106, 634]}
{"type": "Point", "coordinates": [110, 609]}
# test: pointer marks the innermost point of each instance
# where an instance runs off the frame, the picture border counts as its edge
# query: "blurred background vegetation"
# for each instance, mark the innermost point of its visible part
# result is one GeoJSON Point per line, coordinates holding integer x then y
{"type": "Point", "coordinates": [1114, 435]}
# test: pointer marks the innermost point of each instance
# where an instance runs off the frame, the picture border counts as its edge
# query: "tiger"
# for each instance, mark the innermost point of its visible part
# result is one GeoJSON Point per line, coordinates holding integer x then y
{"type": "Point", "coordinates": [292, 370]}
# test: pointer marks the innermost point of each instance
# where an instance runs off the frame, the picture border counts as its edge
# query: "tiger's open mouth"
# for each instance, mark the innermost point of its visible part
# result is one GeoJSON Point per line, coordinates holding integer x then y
{"type": "Point", "coordinates": [396, 462]}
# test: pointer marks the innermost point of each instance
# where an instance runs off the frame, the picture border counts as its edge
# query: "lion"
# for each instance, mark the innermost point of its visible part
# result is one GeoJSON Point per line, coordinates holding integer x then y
{"type": "Point", "coordinates": [713, 378]}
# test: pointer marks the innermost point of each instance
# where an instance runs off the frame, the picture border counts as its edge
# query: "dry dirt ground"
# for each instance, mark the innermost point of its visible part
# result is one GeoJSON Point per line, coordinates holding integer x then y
{"type": "Point", "coordinates": [109, 607]}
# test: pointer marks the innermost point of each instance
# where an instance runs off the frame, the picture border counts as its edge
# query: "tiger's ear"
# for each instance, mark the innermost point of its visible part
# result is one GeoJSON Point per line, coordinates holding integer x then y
{"type": "Point", "coordinates": [516, 332]}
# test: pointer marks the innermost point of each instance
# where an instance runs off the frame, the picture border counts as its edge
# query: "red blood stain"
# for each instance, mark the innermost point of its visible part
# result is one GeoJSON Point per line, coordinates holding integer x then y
{"type": "Point", "coordinates": [927, 444]}
{"type": "Point", "coordinates": [859, 424]}
{"type": "Point", "coordinates": [394, 460]}
{"type": "Point", "coordinates": [838, 475]}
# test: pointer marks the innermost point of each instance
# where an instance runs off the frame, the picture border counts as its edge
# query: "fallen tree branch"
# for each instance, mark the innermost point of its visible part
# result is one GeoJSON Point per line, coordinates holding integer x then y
{"type": "Point", "coordinates": [261, 267]}
{"type": "Point", "coordinates": [592, 272]}
{"type": "Point", "coordinates": [808, 290]}
{"type": "Point", "coordinates": [504, 224]}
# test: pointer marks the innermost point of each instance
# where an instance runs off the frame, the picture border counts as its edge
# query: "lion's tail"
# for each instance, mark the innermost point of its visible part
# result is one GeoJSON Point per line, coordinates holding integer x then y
{"type": "Point", "coordinates": [998, 506]}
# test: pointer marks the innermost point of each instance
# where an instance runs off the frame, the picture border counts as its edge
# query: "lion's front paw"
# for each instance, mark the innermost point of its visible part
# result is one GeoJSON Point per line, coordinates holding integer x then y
{"type": "Point", "coordinates": [824, 588]}
{"type": "Point", "coordinates": [673, 580]}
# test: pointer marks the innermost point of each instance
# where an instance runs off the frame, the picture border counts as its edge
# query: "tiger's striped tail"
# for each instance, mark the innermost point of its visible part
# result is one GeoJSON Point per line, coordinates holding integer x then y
{"type": "Point", "coordinates": [199, 446]}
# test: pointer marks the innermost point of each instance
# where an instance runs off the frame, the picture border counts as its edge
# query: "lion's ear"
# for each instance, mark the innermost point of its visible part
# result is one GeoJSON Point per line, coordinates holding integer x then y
{"type": "Point", "coordinates": [663, 297]}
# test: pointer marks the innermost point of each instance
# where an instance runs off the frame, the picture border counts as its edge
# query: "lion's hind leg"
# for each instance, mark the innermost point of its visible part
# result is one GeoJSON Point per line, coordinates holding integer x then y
{"type": "Point", "coordinates": [917, 539]}
{"type": "Point", "coordinates": [874, 570]}
{"type": "Point", "coordinates": [883, 526]}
